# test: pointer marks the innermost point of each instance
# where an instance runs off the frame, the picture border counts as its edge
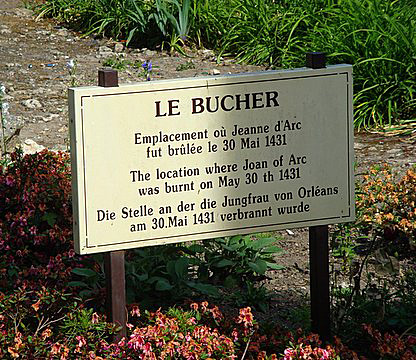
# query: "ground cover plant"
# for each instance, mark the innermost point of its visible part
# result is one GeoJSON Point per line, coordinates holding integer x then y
{"type": "Point", "coordinates": [50, 298]}
{"type": "Point", "coordinates": [377, 37]}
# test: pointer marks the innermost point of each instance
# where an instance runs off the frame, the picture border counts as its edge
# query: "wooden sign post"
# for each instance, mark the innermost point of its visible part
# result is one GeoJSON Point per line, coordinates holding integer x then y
{"type": "Point", "coordinates": [319, 253]}
{"type": "Point", "coordinates": [115, 278]}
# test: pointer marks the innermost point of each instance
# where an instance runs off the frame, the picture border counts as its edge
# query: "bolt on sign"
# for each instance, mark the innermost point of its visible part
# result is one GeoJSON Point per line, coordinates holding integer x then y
{"type": "Point", "coordinates": [170, 161]}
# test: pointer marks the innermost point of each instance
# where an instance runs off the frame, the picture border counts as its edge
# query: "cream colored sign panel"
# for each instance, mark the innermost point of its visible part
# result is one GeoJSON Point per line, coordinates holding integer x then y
{"type": "Point", "coordinates": [170, 161]}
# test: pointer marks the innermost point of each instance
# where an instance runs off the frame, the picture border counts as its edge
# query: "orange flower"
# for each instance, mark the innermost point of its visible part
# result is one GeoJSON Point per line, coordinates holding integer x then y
{"type": "Point", "coordinates": [46, 333]}
{"type": "Point", "coordinates": [13, 352]}
{"type": "Point", "coordinates": [245, 317]}
{"type": "Point", "coordinates": [36, 305]}
{"type": "Point", "coordinates": [390, 216]}
{"type": "Point", "coordinates": [56, 348]}
{"type": "Point", "coordinates": [380, 197]}
{"type": "Point", "coordinates": [65, 353]}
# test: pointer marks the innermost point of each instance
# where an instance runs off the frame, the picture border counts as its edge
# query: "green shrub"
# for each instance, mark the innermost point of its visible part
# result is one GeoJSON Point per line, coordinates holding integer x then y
{"type": "Point", "coordinates": [190, 270]}
{"type": "Point", "coordinates": [377, 36]}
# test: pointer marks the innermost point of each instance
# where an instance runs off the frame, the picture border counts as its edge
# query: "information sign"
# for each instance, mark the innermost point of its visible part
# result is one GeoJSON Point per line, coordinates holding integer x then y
{"type": "Point", "coordinates": [170, 161]}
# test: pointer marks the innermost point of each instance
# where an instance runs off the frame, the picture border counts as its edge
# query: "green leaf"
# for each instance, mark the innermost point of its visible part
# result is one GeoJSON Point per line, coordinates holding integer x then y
{"type": "Point", "coordinates": [12, 272]}
{"type": "Point", "coordinates": [232, 247]}
{"type": "Point", "coordinates": [224, 263]}
{"type": "Point", "coordinates": [142, 277]}
{"type": "Point", "coordinates": [262, 243]}
{"type": "Point", "coordinates": [274, 266]}
{"type": "Point", "coordinates": [85, 293]}
{"type": "Point", "coordinates": [196, 248]}
{"type": "Point", "coordinates": [84, 272]}
{"type": "Point", "coordinates": [170, 268]}
{"type": "Point", "coordinates": [260, 266]}
{"type": "Point", "coordinates": [77, 283]}
{"type": "Point", "coordinates": [163, 285]}
{"type": "Point", "coordinates": [154, 279]}
{"type": "Point", "coordinates": [50, 218]}
{"type": "Point", "coordinates": [230, 281]}
{"type": "Point", "coordinates": [272, 250]}
{"type": "Point", "coordinates": [235, 239]}
{"type": "Point", "coordinates": [181, 267]}
{"type": "Point", "coordinates": [206, 289]}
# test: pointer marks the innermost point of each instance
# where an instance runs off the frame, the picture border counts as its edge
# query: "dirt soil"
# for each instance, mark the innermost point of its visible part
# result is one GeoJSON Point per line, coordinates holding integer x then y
{"type": "Point", "coordinates": [33, 58]}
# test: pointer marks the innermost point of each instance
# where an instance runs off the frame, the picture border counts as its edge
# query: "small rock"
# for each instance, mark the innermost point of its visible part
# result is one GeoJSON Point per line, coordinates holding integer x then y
{"type": "Point", "coordinates": [206, 53]}
{"type": "Point", "coordinates": [215, 72]}
{"type": "Point", "coordinates": [393, 151]}
{"type": "Point", "coordinates": [359, 146]}
{"type": "Point", "coordinates": [118, 48]}
{"type": "Point", "coordinates": [49, 117]}
{"type": "Point", "coordinates": [23, 12]}
{"type": "Point", "coordinates": [43, 32]}
{"type": "Point", "coordinates": [7, 97]}
{"type": "Point", "coordinates": [149, 53]}
{"type": "Point", "coordinates": [31, 147]}
{"type": "Point", "coordinates": [62, 32]}
{"type": "Point", "coordinates": [10, 65]}
{"type": "Point", "coordinates": [373, 148]}
{"type": "Point", "coordinates": [290, 232]}
{"type": "Point", "coordinates": [5, 31]}
{"type": "Point", "coordinates": [104, 50]}
{"type": "Point", "coordinates": [32, 104]}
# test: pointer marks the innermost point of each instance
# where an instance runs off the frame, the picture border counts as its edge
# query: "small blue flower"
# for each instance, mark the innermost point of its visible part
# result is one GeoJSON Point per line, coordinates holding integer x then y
{"type": "Point", "coordinates": [147, 68]}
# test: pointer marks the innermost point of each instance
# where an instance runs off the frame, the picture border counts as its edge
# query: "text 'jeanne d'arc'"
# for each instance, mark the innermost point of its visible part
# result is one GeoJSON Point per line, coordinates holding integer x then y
{"type": "Point", "coordinates": [212, 104]}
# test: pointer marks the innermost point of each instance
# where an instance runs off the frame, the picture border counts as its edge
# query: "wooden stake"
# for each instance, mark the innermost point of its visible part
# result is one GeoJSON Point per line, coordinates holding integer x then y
{"type": "Point", "coordinates": [114, 261]}
{"type": "Point", "coordinates": [319, 253]}
{"type": "Point", "coordinates": [319, 276]}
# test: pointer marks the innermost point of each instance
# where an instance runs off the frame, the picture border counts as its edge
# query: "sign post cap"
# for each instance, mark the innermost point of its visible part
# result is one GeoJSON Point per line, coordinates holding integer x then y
{"type": "Point", "coordinates": [316, 60]}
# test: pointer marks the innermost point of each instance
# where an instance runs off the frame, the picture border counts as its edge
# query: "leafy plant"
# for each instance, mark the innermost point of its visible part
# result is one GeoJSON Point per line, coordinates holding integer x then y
{"type": "Point", "coordinates": [121, 19]}
{"type": "Point", "coordinates": [117, 63]}
{"type": "Point", "coordinates": [168, 23]}
{"type": "Point", "coordinates": [235, 260]}
{"type": "Point", "coordinates": [89, 280]}
{"type": "Point", "coordinates": [377, 36]}
{"type": "Point", "coordinates": [253, 295]}
{"type": "Point", "coordinates": [163, 270]}
{"type": "Point", "coordinates": [185, 66]}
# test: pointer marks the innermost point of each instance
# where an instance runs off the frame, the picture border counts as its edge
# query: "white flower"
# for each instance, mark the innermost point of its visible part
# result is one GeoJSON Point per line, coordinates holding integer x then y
{"type": "Point", "coordinates": [70, 64]}
{"type": "Point", "coordinates": [5, 108]}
